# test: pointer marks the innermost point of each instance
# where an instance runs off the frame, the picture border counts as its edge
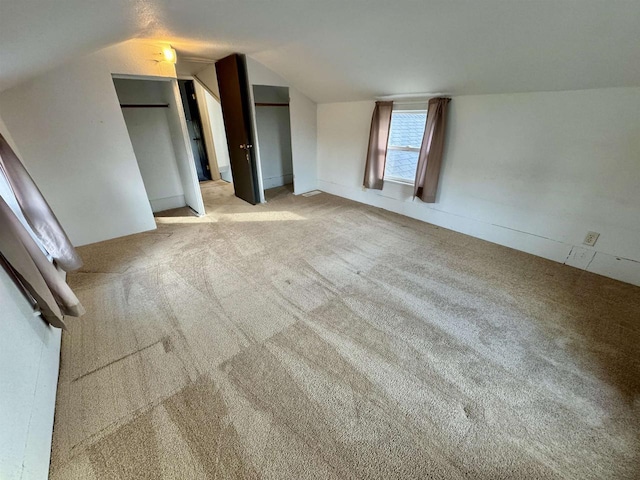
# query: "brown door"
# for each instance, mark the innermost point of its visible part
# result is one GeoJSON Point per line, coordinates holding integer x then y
{"type": "Point", "coordinates": [236, 112]}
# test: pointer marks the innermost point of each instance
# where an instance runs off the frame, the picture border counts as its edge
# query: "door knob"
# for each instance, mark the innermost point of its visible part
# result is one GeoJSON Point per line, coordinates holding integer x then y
{"type": "Point", "coordinates": [245, 146]}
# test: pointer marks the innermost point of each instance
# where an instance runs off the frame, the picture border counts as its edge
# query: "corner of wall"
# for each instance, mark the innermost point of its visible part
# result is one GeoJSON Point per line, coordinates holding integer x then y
{"type": "Point", "coordinates": [538, 193]}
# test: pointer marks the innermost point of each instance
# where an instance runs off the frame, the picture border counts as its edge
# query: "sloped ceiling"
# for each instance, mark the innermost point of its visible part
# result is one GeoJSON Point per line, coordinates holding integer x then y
{"type": "Point", "coordinates": [351, 49]}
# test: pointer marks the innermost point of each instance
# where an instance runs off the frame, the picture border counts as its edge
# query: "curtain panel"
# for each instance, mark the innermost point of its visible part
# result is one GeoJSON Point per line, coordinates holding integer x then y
{"type": "Point", "coordinates": [37, 211]}
{"type": "Point", "coordinates": [431, 150]}
{"type": "Point", "coordinates": [377, 151]}
{"type": "Point", "coordinates": [20, 255]}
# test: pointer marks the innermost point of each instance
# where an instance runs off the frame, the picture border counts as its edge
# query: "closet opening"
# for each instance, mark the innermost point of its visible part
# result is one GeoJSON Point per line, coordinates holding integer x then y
{"type": "Point", "coordinates": [273, 125]}
{"type": "Point", "coordinates": [155, 120]}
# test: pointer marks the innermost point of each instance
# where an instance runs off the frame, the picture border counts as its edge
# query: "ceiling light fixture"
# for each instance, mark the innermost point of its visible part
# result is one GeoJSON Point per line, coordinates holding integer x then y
{"type": "Point", "coordinates": [169, 55]}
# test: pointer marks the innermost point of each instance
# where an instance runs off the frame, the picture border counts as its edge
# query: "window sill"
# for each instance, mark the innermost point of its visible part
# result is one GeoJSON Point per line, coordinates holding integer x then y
{"type": "Point", "coordinates": [408, 183]}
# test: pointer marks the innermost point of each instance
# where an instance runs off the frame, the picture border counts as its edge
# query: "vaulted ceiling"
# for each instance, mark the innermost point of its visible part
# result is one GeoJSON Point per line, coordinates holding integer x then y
{"type": "Point", "coordinates": [340, 50]}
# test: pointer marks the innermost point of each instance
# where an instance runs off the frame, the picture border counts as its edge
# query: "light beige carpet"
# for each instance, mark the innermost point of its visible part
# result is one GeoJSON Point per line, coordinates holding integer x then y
{"type": "Point", "coordinates": [320, 338]}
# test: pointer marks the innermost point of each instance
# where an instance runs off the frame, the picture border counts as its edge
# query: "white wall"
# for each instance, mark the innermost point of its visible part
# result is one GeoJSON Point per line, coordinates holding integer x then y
{"type": "Point", "coordinates": [209, 79]}
{"type": "Point", "coordinates": [141, 91]}
{"type": "Point", "coordinates": [274, 132]}
{"type": "Point", "coordinates": [30, 355]}
{"type": "Point", "coordinates": [69, 128]}
{"type": "Point", "coordinates": [532, 171]}
{"type": "Point", "coordinates": [303, 112]}
{"type": "Point", "coordinates": [151, 140]}
{"type": "Point", "coordinates": [273, 124]}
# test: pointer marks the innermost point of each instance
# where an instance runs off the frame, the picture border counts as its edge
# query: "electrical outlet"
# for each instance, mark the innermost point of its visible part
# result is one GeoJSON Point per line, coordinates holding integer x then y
{"type": "Point", "coordinates": [591, 238]}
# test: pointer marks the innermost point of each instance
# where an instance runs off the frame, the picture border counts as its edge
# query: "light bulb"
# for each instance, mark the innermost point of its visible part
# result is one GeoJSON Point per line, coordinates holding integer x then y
{"type": "Point", "coordinates": [169, 54]}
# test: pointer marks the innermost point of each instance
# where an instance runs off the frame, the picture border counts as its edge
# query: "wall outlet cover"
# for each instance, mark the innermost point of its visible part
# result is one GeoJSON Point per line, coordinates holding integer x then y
{"type": "Point", "coordinates": [591, 238]}
{"type": "Point", "coordinates": [580, 257]}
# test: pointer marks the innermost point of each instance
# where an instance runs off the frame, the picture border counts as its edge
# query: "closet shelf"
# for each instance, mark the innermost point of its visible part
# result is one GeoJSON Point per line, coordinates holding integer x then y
{"type": "Point", "coordinates": [144, 105]}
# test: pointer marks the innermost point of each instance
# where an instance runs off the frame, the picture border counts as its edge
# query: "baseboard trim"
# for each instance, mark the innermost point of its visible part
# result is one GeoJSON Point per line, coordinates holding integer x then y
{"type": "Point", "coordinates": [300, 188]}
{"type": "Point", "coordinates": [167, 203]}
{"type": "Point", "coordinates": [278, 181]}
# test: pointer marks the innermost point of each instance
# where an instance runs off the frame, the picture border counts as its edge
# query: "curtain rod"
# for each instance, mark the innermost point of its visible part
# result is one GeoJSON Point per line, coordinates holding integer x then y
{"type": "Point", "coordinates": [411, 97]}
{"type": "Point", "coordinates": [409, 102]}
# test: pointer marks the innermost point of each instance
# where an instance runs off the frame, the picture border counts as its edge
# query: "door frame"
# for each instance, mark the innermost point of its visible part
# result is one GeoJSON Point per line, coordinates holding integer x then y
{"type": "Point", "coordinates": [191, 163]}
{"type": "Point", "coordinates": [205, 120]}
{"type": "Point", "coordinates": [257, 134]}
{"type": "Point", "coordinates": [256, 140]}
{"type": "Point", "coordinates": [186, 167]}
{"type": "Point", "coordinates": [194, 121]}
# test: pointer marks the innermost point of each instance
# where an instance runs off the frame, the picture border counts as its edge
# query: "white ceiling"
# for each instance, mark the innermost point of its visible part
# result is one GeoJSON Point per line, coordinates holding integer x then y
{"type": "Point", "coordinates": [340, 50]}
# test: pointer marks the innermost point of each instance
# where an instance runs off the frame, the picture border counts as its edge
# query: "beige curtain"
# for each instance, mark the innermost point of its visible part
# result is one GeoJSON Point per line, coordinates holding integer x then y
{"type": "Point", "coordinates": [378, 139]}
{"type": "Point", "coordinates": [430, 158]}
{"type": "Point", "coordinates": [37, 211]}
{"type": "Point", "coordinates": [26, 263]}
{"type": "Point", "coordinates": [22, 258]}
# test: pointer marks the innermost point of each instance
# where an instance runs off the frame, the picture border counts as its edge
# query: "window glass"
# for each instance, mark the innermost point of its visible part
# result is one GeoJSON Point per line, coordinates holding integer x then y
{"type": "Point", "coordinates": [405, 138]}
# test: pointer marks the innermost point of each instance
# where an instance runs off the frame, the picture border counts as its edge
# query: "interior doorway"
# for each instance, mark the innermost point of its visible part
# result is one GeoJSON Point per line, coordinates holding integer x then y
{"type": "Point", "coordinates": [273, 125]}
{"type": "Point", "coordinates": [153, 114]}
{"type": "Point", "coordinates": [212, 127]}
{"type": "Point", "coordinates": [215, 137]}
{"type": "Point", "coordinates": [195, 129]}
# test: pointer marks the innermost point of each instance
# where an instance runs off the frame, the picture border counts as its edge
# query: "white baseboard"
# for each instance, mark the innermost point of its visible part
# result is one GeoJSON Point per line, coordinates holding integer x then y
{"type": "Point", "coordinates": [577, 256]}
{"type": "Point", "coordinates": [167, 203]}
{"type": "Point", "coordinates": [300, 188]}
{"type": "Point", "coordinates": [225, 173]}
{"type": "Point", "coordinates": [623, 269]}
{"type": "Point", "coordinates": [272, 182]}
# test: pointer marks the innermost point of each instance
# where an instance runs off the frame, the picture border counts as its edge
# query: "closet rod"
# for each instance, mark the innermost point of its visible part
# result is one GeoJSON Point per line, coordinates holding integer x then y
{"type": "Point", "coordinates": [259, 104]}
{"type": "Point", "coordinates": [144, 105]}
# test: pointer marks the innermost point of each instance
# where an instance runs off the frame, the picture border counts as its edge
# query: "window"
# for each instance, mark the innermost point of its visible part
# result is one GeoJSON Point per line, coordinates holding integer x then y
{"type": "Point", "coordinates": [6, 192]}
{"type": "Point", "coordinates": [405, 138]}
